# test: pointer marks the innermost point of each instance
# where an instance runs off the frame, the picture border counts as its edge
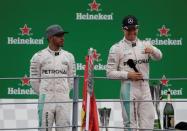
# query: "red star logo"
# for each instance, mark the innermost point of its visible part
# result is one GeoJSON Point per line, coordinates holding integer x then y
{"type": "Point", "coordinates": [163, 31]}
{"type": "Point", "coordinates": [25, 81]}
{"type": "Point", "coordinates": [96, 55]}
{"type": "Point", "coordinates": [164, 81]}
{"type": "Point", "coordinates": [25, 30]}
{"type": "Point", "coordinates": [94, 6]}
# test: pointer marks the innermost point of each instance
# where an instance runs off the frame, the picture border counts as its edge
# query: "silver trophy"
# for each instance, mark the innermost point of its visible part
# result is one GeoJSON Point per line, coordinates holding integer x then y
{"type": "Point", "coordinates": [104, 116]}
{"type": "Point", "coordinates": [156, 97]}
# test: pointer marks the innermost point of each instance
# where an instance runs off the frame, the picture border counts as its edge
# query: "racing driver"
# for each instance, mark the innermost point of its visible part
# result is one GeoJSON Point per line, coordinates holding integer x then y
{"type": "Point", "coordinates": [48, 64]}
{"type": "Point", "coordinates": [133, 87]}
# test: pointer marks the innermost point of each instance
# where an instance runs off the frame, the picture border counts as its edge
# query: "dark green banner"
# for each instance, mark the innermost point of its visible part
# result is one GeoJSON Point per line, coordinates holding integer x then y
{"type": "Point", "coordinates": [91, 23]}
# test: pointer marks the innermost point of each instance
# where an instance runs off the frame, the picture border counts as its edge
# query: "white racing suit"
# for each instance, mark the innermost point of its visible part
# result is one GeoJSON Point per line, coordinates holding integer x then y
{"type": "Point", "coordinates": [135, 114]}
{"type": "Point", "coordinates": [47, 63]}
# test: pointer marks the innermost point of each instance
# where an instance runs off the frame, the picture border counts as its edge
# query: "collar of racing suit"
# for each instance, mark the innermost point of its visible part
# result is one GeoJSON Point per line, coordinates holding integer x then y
{"type": "Point", "coordinates": [132, 43]}
{"type": "Point", "coordinates": [55, 53]}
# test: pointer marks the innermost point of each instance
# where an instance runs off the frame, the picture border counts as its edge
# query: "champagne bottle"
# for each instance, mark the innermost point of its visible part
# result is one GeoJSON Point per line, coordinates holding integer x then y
{"type": "Point", "coordinates": [157, 124]}
{"type": "Point", "coordinates": [168, 113]}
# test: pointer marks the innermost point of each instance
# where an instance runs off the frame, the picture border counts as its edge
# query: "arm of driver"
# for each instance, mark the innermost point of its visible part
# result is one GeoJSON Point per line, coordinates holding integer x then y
{"type": "Point", "coordinates": [156, 54]}
{"type": "Point", "coordinates": [35, 73]}
{"type": "Point", "coordinates": [71, 71]}
{"type": "Point", "coordinates": [113, 62]}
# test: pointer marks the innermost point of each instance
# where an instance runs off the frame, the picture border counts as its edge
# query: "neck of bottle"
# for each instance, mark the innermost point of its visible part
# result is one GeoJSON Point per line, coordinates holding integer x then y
{"type": "Point", "coordinates": [168, 98]}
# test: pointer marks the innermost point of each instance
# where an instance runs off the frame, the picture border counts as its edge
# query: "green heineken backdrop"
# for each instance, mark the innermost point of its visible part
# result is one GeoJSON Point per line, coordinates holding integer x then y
{"type": "Point", "coordinates": [94, 24]}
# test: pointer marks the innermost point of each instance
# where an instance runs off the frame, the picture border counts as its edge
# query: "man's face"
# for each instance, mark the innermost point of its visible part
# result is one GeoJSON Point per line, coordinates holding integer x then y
{"type": "Point", "coordinates": [131, 34]}
{"type": "Point", "coordinates": [57, 40]}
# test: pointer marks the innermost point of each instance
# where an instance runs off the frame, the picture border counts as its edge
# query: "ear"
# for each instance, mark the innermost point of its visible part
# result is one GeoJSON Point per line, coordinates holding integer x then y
{"type": "Point", "coordinates": [123, 30]}
{"type": "Point", "coordinates": [137, 30]}
{"type": "Point", "coordinates": [50, 38]}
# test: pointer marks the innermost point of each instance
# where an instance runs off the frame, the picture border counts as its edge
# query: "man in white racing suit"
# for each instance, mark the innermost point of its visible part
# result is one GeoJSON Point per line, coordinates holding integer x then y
{"type": "Point", "coordinates": [49, 63]}
{"type": "Point", "coordinates": [133, 87]}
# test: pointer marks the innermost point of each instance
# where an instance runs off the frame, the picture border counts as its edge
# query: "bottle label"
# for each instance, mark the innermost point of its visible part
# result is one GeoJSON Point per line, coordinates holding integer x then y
{"type": "Point", "coordinates": [171, 118]}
